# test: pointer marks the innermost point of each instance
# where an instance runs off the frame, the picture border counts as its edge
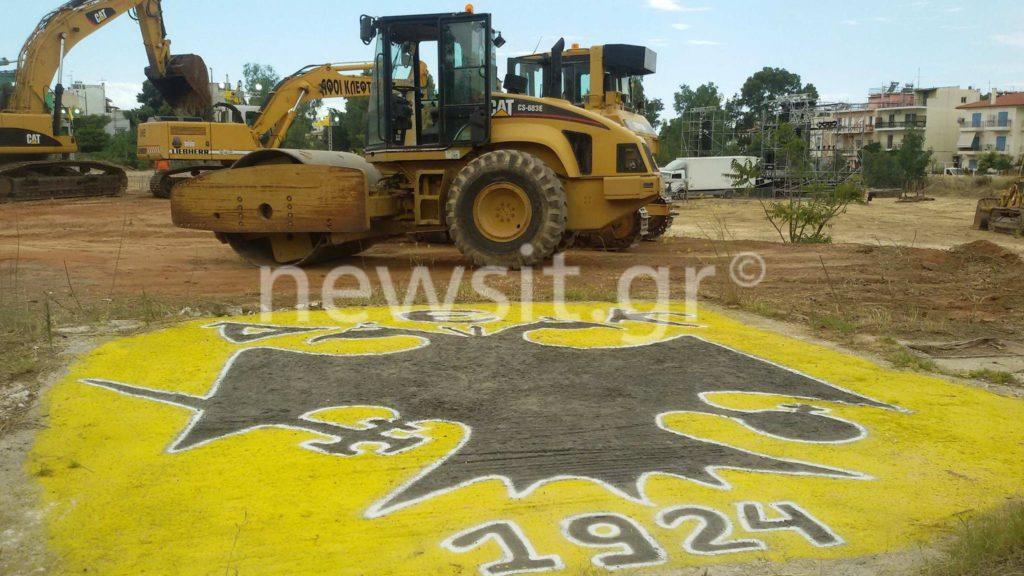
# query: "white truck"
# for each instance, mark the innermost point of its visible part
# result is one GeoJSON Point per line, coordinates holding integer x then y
{"type": "Point", "coordinates": [709, 175]}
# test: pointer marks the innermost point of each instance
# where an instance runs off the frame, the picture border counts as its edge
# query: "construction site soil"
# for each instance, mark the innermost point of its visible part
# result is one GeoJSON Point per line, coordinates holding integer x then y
{"type": "Point", "coordinates": [913, 270]}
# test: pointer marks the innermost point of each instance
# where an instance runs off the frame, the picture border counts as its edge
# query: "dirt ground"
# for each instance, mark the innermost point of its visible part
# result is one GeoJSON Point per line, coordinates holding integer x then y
{"type": "Point", "coordinates": [940, 224]}
{"type": "Point", "coordinates": [889, 272]}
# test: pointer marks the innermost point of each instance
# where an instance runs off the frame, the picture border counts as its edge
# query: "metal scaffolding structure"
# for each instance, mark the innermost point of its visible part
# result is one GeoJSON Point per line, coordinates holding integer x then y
{"type": "Point", "coordinates": [824, 162]}
{"type": "Point", "coordinates": [706, 131]}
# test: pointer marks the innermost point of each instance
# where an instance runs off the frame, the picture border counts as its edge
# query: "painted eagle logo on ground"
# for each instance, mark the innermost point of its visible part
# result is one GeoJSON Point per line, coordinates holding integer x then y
{"type": "Point", "coordinates": [531, 413]}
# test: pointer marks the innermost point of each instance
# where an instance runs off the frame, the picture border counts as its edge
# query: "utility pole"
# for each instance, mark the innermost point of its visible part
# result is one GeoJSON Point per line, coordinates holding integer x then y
{"type": "Point", "coordinates": [333, 119]}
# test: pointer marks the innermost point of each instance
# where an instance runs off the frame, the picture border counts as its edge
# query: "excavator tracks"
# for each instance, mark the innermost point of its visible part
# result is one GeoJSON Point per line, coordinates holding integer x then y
{"type": "Point", "coordinates": [43, 180]}
{"type": "Point", "coordinates": [162, 183]}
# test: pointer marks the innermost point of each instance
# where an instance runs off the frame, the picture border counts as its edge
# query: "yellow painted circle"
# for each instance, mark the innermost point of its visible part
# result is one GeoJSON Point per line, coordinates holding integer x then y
{"type": "Point", "coordinates": [502, 212]}
{"type": "Point", "coordinates": [143, 472]}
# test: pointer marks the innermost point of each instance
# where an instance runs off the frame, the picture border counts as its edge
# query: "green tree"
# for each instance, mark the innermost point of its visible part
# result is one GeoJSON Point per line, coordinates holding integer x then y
{"type": "Point", "coordinates": [259, 81]}
{"type": "Point", "coordinates": [765, 86]}
{"type": "Point", "coordinates": [913, 160]}
{"type": "Point", "coordinates": [354, 120]}
{"type": "Point", "coordinates": [300, 133]}
{"type": "Point", "coordinates": [994, 161]}
{"type": "Point", "coordinates": [121, 149]}
{"type": "Point", "coordinates": [880, 168]}
{"type": "Point", "coordinates": [704, 96]}
{"type": "Point", "coordinates": [89, 132]}
{"type": "Point", "coordinates": [652, 111]}
{"type": "Point", "coordinates": [906, 167]}
{"type": "Point", "coordinates": [152, 103]}
{"type": "Point", "coordinates": [807, 218]}
{"type": "Point", "coordinates": [6, 85]}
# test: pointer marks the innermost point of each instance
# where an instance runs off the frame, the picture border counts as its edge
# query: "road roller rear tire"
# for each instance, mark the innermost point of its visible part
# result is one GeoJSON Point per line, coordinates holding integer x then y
{"type": "Point", "coordinates": [507, 208]}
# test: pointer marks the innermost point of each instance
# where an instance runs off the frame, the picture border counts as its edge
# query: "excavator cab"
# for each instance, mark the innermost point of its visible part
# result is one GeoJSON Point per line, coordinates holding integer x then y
{"type": "Point", "coordinates": [406, 110]}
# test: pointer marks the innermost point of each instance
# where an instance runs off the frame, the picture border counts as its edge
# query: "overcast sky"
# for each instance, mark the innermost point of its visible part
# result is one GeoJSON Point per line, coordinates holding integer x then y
{"type": "Point", "coordinates": [843, 47]}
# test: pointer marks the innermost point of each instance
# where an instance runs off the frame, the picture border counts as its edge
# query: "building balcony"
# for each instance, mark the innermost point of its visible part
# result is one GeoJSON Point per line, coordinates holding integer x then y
{"type": "Point", "coordinates": [892, 107]}
{"type": "Point", "coordinates": [982, 151]}
{"type": "Point", "coordinates": [857, 129]}
{"type": "Point", "coordinates": [886, 125]}
{"type": "Point", "coordinates": [967, 124]}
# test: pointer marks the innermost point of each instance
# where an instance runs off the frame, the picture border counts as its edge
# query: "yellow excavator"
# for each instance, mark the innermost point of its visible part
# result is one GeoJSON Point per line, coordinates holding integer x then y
{"type": "Point", "coordinates": [37, 141]}
{"type": "Point", "coordinates": [196, 146]}
{"type": "Point", "coordinates": [605, 79]}
{"type": "Point", "coordinates": [1004, 214]}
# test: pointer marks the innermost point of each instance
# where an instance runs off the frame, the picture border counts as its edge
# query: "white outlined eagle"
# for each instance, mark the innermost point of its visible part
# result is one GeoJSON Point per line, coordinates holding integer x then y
{"type": "Point", "coordinates": [531, 413]}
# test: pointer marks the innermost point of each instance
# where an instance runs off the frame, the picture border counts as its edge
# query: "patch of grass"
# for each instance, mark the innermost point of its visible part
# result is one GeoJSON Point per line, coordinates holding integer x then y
{"type": "Point", "coordinates": [589, 293]}
{"type": "Point", "coordinates": [995, 377]}
{"type": "Point", "coordinates": [906, 360]}
{"type": "Point", "coordinates": [28, 328]}
{"type": "Point", "coordinates": [987, 545]}
{"type": "Point", "coordinates": [967, 186]}
{"type": "Point", "coordinates": [834, 323]}
{"type": "Point", "coordinates": [762, 307]}
{"type": "Point", "coordinates": [22, 330]}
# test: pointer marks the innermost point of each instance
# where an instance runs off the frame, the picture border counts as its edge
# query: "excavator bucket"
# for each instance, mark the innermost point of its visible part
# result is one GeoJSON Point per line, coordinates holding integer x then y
{"type": "Point", "coordinates": [186, 86]}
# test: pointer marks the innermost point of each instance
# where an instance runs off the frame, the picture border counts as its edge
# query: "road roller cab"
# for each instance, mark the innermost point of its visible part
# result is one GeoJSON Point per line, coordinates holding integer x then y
{"type": "Point", "coordinates": [511, 178]}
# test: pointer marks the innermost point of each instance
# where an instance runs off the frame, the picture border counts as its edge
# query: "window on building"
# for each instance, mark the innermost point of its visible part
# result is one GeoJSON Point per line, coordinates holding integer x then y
{"type": "Point", "coordinates": [972, 165]}
{"type": "Point", "coordinates": [1004, 119]}
{"type": "Point", "coordinates": [888, 143]}
{"type": "Point", "coordinates": [963, 99]}
{"type": "Point", "coordinates": [1001, 143]}
{"type": "Point", "coordinates": [976, 120]}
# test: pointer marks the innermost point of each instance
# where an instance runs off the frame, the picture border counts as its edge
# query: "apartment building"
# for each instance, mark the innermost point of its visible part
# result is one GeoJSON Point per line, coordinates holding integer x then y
{"type": "Point", "coordinates": [855, 129]}
{"type": "Point", "coordinates": [824, 139]}
{"type": "Point", "coordinates": [91, 99]}
{"type": "Point", "coordinates": [994, 124]}
{"type": "Point", "coordinates": [931, 110]}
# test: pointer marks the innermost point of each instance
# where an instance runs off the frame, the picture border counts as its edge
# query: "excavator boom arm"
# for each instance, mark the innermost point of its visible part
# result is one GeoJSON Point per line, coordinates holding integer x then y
{"type": "Point", "coordinates": [62, 29]}
{"type": "Point", "coordinates": [320, 82]}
